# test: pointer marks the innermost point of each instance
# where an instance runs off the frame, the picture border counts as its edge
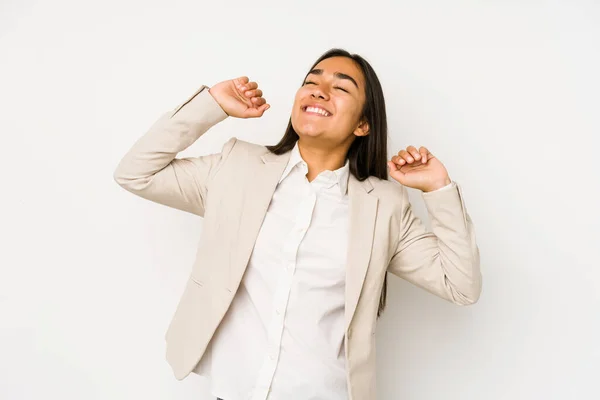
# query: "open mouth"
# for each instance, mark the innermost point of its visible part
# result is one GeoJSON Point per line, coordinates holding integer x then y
{"type": "Point", "coordinates": [316, 110]}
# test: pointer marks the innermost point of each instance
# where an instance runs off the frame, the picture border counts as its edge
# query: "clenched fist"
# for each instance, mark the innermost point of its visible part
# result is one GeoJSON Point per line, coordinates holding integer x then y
{"type": "Point", "coordinates": [418, 169]}
{"type": "Point", "coordinates": [240, 98]}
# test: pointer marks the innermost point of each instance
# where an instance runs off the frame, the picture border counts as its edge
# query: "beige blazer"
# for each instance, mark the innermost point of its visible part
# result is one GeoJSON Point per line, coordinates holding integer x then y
{"type": "Point", "coordinates": [232, 190]}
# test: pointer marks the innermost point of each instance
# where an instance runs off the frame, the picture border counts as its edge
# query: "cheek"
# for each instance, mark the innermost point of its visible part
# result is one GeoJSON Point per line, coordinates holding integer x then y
{"type": "Point", "coordinates": [297, 101]}
{"type": "Point", "coordinates": [301, 94]}
{"type": "Point", "coordinates": [348, 112]}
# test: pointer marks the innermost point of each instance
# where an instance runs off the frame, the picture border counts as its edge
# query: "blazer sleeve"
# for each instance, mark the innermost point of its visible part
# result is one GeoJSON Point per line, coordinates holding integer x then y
{"type": "Point", "coordinates": [150, 170]}
{"type": "Point", "coordinates": [445, 261]}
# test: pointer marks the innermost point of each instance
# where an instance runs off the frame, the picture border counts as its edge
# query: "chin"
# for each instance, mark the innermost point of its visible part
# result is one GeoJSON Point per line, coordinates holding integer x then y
{"type": "Point", "coordinates": [309, 133]}
{"type": "Point", "coordinates": [308, 130]}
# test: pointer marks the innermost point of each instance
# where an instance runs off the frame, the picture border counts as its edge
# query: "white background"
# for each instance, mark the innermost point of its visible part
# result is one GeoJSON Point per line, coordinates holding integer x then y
{"type": "Point", "coordinates": [505, 93]}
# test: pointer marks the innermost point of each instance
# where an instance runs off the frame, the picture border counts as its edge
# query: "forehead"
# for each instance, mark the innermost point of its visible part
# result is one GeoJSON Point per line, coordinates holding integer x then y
{"type": "Point", "coordinates": [344, 65]}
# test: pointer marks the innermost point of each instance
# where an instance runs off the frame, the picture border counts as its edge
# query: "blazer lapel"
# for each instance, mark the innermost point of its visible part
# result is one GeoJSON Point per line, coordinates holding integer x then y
{"type": "Point", "coordinates": [257, 194]}
{"type": "Point", "coordinates": [363, 212]}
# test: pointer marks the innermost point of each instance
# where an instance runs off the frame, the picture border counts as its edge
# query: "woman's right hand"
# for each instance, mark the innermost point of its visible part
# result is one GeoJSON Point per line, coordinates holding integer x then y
{"type": "Point", "coordinates": [240, 98]}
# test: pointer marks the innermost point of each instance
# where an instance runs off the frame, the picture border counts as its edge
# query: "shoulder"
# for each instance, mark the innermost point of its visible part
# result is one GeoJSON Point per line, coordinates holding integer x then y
{"type": "Point", "coordinates": [392, 196]}
{"type": "Point", "coordinates": [388, 190]}
{"type": "Point", "coordinates": [238, 155]}
{"type": "Point", "coordinates": [242, 147]}
{"type": "Point", "coordinates": [237, 160]}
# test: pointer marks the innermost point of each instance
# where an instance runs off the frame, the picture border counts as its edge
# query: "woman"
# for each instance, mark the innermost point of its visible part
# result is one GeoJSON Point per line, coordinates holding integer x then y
{"type": "Point", "coordinates": [290, 274]}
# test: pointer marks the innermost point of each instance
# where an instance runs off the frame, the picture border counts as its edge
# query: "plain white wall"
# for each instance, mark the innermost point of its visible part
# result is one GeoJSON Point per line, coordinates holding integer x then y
{"type": "Point", "coordinates": [504, 92]}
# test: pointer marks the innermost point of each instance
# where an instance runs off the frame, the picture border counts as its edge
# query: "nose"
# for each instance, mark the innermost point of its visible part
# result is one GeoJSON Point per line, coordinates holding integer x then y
{"type": "Point", "coordinates": [317, 92]}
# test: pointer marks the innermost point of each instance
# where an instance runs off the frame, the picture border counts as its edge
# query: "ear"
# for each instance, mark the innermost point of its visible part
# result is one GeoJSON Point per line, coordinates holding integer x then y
{"type": "Point", "coordinates": [362, 129]}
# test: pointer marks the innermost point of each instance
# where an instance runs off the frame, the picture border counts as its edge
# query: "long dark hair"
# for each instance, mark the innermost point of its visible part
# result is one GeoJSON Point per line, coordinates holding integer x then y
{"type": "Point", "coordinates": [368, 154]}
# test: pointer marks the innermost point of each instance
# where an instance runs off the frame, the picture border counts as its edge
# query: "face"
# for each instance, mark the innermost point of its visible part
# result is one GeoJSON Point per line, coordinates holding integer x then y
{"type": "Point", "coordinates": [329, 104]}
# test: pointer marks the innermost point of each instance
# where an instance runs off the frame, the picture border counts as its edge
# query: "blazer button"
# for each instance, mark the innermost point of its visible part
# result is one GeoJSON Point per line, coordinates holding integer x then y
{"type": "Point", "coordinates": [349, 333]}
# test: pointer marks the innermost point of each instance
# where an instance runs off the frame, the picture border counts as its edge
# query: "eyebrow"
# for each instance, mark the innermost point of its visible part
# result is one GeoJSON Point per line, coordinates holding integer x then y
{"type": "Point", "coordinates": [339, 75]}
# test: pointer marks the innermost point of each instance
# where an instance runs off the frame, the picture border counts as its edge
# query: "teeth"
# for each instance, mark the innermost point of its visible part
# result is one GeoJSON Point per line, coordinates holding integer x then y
{"type": "Point", "coordinates": [318, 111]}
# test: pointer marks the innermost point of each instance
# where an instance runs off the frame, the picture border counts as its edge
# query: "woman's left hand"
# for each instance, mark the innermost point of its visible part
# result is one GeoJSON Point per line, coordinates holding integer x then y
{"type": "Point", "coordinates": [418, 169]}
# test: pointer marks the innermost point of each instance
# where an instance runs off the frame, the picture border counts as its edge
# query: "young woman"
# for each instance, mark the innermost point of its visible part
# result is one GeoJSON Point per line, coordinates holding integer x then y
{"type": "Point", "coordinates": [290, 274]}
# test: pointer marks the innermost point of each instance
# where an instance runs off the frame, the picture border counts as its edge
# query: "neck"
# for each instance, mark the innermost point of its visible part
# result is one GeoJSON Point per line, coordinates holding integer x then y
{"type": "Point", "coordinates": [319, 158]}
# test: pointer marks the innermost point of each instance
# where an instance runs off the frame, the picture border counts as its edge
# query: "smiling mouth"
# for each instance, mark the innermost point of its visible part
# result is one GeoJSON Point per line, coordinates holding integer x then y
{"type": "Point", "coordinates": [316, 111]}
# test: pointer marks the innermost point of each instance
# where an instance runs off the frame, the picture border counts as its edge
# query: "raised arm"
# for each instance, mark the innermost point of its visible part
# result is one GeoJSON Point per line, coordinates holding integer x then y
{"type": "Point", "coordinates": [150, 168]}
{"type": "Point", "coordinates": [445, 261]}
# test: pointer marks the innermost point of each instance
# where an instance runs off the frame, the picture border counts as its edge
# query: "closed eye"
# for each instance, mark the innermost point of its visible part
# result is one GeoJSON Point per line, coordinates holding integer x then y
{"type": "Point", "coordinates": [335, 87]}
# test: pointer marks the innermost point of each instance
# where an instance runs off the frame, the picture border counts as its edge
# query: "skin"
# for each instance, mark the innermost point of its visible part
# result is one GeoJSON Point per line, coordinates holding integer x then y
{"type": "Point", "coordinates": [336, 85]}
